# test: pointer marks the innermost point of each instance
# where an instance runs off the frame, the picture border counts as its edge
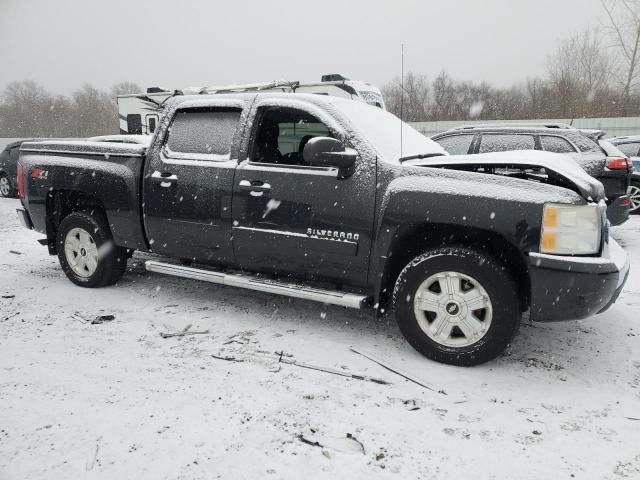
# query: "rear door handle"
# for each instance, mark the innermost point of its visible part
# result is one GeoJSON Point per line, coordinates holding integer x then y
{"type": "Point", "coordinates": [165, 179]}
{"type": "Point", "coordinates": [254, 186]}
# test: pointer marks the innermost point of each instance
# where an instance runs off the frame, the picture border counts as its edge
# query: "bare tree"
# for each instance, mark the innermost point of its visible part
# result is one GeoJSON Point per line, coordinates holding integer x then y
{"type": "Point", "coordinates": [624, 30]}
{"type": "Point", "coordinates": [409, 99]}
{"type": "Point", "coordinates": [444, 97]}
{"type": "Point", "coordinates": [579, 73]}
{"type": "Point", "coordinates": [28, 110]}
{"type": "Point", "coordinates": [95, 112]}
{"type": "Point", "coordinates": [124, 88]}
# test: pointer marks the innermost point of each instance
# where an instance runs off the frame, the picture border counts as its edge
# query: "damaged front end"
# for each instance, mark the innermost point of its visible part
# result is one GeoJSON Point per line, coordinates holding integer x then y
{"type": "Point", "coordinates": [542, 167]}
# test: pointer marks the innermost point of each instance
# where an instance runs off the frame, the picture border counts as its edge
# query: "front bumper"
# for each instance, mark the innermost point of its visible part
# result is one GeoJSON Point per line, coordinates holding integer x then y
{"type": "Point", "coordinates": [571, 288]}
{"type": "Point", "coordinates": [23, 217]}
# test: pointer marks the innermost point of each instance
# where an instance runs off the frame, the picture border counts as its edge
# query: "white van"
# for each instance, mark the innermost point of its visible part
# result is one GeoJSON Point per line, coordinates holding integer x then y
{"type": "Point", "coordinates": [140, 112]}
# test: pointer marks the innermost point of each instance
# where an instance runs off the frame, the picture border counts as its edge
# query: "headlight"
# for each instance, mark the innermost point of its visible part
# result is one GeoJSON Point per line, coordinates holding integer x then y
{"type": "Point", "coordinates": [570, 229]}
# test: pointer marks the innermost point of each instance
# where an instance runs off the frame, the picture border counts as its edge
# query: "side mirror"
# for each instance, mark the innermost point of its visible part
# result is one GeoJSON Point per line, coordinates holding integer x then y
{"type": "Point", "coordinates": [329, 152]}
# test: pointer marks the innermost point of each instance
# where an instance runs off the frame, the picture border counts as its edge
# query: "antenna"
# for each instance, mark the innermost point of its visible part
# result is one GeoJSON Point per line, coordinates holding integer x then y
{"type": "Point", "coordinates": [401, 93]}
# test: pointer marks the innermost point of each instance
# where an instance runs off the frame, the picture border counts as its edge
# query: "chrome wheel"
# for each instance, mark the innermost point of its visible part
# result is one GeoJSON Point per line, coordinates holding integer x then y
{"type": "Point", "coordinates": [81, 252]}
{"type": "Point", "coordinates": [5, 188]}
{"type": "Point", "coordinates": [634, 196]}
{"type": "Point", "coordinates": [453, 309]}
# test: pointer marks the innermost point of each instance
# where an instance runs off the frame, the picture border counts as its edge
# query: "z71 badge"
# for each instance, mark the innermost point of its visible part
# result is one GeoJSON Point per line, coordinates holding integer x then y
{"type": "Point", "coordinates": [332, 234]}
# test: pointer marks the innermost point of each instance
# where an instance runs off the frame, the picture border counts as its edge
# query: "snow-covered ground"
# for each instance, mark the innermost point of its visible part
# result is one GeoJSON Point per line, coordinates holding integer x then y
{"type": "Point", "coordinates": [116, 400]}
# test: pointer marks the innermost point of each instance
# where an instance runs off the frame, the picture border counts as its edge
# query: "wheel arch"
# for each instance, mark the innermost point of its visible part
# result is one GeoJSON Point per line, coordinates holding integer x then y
{"type": "Point", "coordinates": [62, 203]}
{"type": "Point", "coordinates": [410, 240]}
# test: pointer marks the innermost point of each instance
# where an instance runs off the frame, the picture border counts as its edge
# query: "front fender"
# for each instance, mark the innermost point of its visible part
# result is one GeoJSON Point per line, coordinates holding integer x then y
{"type": "Point", "coordinates": [444, 200]}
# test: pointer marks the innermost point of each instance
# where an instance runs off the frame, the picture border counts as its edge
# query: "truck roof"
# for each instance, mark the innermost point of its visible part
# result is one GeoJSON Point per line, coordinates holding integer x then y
{"type": "Point", "coordinates": [315, 98]}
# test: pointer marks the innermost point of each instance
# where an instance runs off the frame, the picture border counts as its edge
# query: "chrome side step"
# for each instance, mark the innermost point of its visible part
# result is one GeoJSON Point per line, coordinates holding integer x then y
{"type": "Point", "coordinates": [295, 290]}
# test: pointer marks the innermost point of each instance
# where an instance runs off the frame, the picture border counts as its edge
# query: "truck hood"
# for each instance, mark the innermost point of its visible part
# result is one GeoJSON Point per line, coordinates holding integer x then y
{"type": "Point", "coordinates": [561, 169]}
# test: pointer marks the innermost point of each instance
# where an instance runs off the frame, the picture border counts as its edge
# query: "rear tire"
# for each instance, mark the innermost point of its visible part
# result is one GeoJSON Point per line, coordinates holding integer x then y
{"type": "Point", "coordinates": [457, 306]}
{"type": "Point", "coordinates": [87, 253]}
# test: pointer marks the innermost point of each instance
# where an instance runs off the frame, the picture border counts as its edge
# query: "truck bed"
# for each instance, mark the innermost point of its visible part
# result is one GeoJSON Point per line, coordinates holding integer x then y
{"type": "Point", "coordinates": [108, 172]}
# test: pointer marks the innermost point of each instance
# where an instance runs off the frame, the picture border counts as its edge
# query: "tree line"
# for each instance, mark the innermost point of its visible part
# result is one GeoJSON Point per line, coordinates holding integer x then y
{"type": "Point", "coordinates": [593, 73]}
{"type": "Point", "coordinates": [28, 110]}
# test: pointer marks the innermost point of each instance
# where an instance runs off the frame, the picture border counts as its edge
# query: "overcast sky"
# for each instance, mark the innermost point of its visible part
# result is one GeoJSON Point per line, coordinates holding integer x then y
{"type": "Point", "coordinates": [176, 43]}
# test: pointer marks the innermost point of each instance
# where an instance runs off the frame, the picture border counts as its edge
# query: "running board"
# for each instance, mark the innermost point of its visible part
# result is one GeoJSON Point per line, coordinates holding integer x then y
{"type": "Point", "coordinates": [295, 290]}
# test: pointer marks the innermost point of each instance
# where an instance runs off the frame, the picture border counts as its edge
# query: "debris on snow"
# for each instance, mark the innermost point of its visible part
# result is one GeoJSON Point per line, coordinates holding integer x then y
{"type": "Point", "coordinates": [102, 318]}
{"type": "Point", "coordinates": [228, 359]}
{"type": "Point", "coordinates": [289, 361]}
{"type": "Point", "coordinates": [397, 371]}
{"type": "Point", "coordinates": [183, 332]}
{"type": "Point", "coordinates": [303, 439]}
{"type": "Point", "coordinates": [350, 436]}
{"type": "Point", "coordinates": [97, 320]}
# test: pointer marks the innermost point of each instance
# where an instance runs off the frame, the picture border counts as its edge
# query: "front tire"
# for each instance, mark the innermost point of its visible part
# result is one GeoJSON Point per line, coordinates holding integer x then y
{"type": "Point", "coordinates": [86, 251]}
{"type": "Point", "coordinates": [457, 306]}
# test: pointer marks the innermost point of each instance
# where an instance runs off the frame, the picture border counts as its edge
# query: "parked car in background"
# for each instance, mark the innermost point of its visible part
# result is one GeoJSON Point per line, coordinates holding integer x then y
{"type": "Point", "coordinates": [614, 174]}
{"type": "Point", "coordinates": [8, 160]}
{"type": "Point", "coordinates": [630, 146]}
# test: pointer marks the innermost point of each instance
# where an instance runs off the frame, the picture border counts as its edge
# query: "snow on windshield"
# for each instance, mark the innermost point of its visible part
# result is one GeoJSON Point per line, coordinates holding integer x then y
{"type": "Point", "coordinates": [382, 130]}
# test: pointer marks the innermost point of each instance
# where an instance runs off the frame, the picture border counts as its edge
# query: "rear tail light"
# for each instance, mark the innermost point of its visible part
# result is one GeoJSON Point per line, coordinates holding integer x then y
{"type": "Point", "coordinates": [20, 174]}
{"type": "Point", "coordinates": [624, 201]}
{"type": "Point", "coordinates": [617, 163]}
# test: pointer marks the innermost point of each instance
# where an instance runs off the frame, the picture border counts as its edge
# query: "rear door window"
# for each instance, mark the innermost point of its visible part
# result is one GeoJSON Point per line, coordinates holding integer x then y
{"type": "Point", "coordinates": [456, 144]}
{"type": "Point", "coordinates": [203, 133]}
{"type": "Point", "coordinates": [504, 142]}
{"type": "Point", "coordinates": [551, 143]}
{"type": "Point", "coordinates": [629, 149]}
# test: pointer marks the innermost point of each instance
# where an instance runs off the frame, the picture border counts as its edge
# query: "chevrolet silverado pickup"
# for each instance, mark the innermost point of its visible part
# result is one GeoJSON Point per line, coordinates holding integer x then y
{"type": "Point", "coordinates": [336, 201]}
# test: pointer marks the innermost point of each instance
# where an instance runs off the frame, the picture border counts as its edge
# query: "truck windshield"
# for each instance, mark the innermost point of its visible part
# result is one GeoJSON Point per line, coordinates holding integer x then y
{"type": "Point", "coordinates": [382, 130]}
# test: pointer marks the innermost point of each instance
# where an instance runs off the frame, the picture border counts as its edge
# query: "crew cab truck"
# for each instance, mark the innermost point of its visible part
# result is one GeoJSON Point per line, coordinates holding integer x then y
{"type": "Point", "coordinates": [348, 216]}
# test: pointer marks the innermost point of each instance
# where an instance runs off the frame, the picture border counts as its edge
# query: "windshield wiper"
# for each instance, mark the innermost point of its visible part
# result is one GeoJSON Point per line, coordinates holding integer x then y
{"type": "Point", "coordinates": [420, 156]}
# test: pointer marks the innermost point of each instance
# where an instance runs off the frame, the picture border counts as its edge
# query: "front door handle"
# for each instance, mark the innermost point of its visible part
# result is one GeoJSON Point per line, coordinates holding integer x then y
{"type": "Point", "coordinates": [254, 186]}
{"type": "Point", "coordinates": [165, 179]}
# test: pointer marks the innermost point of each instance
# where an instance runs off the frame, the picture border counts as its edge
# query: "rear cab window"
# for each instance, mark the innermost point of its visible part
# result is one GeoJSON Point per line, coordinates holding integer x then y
{"type": "Point", "coordinates": [202, 133]}
{"type": "Point", "coordinates": [456, 144]}
{"type": "Point", "coordinates": [498, 142]}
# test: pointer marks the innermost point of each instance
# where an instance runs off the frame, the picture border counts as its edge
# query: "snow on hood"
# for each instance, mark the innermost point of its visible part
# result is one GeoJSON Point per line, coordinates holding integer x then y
{"type": "Point", "coordinates": [590, 188]}
{"type": "Point", "coordinates": [384, 131]}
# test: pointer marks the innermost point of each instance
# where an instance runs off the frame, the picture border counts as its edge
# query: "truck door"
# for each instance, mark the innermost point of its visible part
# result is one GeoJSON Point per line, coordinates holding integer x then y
{"type": "Point", "coordinates": [293, 218]}
{"type": "Point", "coordinates": [188, 183]}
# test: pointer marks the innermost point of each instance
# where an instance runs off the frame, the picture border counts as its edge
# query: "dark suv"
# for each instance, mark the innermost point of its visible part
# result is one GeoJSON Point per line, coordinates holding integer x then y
{"type": "Point", "coordinates": [614, 175]}
{"type": "Point", "coordinates": [630, 146]}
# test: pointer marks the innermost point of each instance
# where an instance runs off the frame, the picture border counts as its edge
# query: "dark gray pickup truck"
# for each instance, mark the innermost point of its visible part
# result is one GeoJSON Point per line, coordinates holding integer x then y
{"type": "Point", "coordinates": [316, 198]}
